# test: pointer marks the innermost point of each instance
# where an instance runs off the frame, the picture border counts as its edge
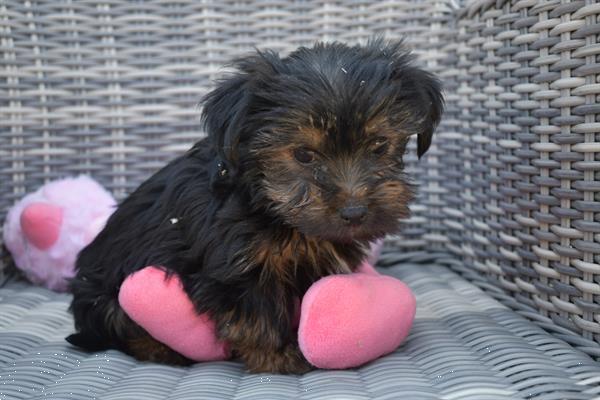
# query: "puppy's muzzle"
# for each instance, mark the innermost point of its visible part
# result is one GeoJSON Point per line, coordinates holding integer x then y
{"type": "Point", "coordinates": [353, 214]}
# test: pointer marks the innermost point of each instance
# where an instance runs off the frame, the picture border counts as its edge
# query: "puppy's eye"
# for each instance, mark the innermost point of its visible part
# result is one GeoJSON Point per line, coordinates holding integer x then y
{"type": "Point", "coordinates": [304, 156]}
{"type": "Point", "coordinates": [380, 145]}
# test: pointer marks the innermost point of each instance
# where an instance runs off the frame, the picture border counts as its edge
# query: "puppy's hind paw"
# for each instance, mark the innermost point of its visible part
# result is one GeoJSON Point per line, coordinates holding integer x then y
{"type": "Point", "coordinates": [288, 361]}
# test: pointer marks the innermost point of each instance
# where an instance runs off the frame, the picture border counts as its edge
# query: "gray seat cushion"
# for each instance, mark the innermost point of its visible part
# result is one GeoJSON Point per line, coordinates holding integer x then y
{"type": "Point", "coordinates": [464, 345]}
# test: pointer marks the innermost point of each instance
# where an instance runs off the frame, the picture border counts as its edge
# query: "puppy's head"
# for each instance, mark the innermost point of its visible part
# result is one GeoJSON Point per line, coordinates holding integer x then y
{"type": "Point", "coordinates": [318, 137]}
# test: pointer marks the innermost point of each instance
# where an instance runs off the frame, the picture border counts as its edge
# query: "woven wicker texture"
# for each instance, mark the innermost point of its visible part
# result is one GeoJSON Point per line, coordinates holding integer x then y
{"type": "Point", "coordinates": [521, 204]}
{"type": "Point", "coordinates": [111, 88]}
{"type": "Point", "coordinates": [464, 345]}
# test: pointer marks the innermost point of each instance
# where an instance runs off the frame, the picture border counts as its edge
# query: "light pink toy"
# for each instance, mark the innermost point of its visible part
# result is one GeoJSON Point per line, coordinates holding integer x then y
{"type": "Point", "coordinates": [348, 320]}
{"type": "Point", "coordinates": [46, 229]}
{"type": "Point", "coordinates": [345, 320]}
{"type": "Point", "coordinates": [160, 305]}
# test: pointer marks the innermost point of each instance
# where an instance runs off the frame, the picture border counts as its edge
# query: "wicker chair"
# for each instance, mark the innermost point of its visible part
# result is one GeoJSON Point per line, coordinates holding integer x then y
{"type": "Point", "coordinates": [502, 251]}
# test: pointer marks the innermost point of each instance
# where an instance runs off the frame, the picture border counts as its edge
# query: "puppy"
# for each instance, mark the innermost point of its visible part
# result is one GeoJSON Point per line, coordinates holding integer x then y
{"type": "Point", "coordinates": [301, 168]}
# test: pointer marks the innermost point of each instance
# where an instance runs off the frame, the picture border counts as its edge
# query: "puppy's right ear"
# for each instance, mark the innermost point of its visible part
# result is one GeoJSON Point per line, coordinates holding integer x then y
{"type": "Point", "coordinates": [227, 109]}
{"type": "Point", "coordinates": [223, 115]}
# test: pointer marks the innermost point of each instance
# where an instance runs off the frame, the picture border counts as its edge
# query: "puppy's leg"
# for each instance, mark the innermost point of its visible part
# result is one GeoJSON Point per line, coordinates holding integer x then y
{"type": "Point", "coordinates": [263, 351]}
{"type": "Point", "coordinates": [146, 348]}
{"type": "Point", "coordinates": [259, 331]}
{"type": "Point", "coordinates": [102, 323]}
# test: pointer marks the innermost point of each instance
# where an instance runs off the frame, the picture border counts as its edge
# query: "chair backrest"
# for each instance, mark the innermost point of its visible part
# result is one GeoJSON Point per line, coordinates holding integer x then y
{"type": "Point", "coordinates": [112, 88]}
{"type": "Point", "coordinates": [519, 164]}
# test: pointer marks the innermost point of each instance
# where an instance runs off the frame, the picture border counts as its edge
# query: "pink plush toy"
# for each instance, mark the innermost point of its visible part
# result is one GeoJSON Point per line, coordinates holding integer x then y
{"type": "Point", "coordinates": [345, 320]}
{"type": "Point", "coordinates": [46, 229]}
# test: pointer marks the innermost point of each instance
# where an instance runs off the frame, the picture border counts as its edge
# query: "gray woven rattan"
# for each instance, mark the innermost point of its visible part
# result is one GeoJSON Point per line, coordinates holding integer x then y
{"type": "Point", "coordinates": [464, 345]}
{"type": "Point", "coordinates": [509, 191]}
{"type": "Point", "coordinates": [521, 204]}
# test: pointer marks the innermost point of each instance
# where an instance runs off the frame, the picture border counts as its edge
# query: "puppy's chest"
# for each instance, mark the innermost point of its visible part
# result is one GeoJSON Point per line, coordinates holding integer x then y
{"type": "Point", "coordinates": [300, 261]}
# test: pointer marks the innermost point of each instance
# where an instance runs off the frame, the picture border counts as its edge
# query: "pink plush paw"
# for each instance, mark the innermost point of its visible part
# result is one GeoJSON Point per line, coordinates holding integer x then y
{"type": "Point", "coordinates": [348, 320]}
{"type": "Point", "coordinates": [161, 306]}
{"type": "Point", "coordinates": [41, 223]}
{"type": "Point", "coordinates": [367, 268]}
{"type": "Point", "coordinates": [367, 265]}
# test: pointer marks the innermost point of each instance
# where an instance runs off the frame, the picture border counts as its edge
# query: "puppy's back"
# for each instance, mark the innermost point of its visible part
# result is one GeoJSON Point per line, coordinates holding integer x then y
{"type": "Point", "coordinates": [144, 230]}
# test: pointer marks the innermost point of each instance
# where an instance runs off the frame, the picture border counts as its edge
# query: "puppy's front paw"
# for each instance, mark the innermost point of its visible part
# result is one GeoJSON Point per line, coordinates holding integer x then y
{"type": "Point", "coordinates": [288, 361]}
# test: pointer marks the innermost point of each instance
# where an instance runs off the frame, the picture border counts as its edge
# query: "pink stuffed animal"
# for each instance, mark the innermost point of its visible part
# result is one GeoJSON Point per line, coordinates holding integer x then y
{"type": "Point", "coordinates": [46, 229]}
{"type": "Point", "coordinates": [345, 320]}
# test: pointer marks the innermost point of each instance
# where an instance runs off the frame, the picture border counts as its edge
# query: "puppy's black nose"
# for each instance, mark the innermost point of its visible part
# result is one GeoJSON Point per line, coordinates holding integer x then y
{"type": "Point", "coordinates": [353, 214]}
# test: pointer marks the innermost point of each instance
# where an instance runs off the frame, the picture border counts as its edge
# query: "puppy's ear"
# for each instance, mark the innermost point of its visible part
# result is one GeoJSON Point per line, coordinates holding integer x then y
{"type": "Point", "coordinates": [425, 92]}
{"type": "Point", "coordinates": [429, 89]}
{"type": "Point", "coordinates": [224, 112]}
{"type": "Point", "coordinates": [415, 88]}
{"type": "Point", "coordinates": [229, 107]}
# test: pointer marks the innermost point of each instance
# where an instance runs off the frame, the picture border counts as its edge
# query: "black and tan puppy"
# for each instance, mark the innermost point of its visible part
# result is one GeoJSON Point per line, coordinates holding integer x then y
{"type": "Point", "coordinates": [302, 167]}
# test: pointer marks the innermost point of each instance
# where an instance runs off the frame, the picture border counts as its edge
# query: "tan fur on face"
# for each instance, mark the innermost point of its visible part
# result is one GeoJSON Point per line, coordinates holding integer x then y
{"type": "Point", "coordinates": [376, 125]}
{"type": "Point", "coordinates": [395, 192]}
{"type": "Point", "coordinates": [382, 126]}
{"type": "Point", "coordinates": [311, 136]}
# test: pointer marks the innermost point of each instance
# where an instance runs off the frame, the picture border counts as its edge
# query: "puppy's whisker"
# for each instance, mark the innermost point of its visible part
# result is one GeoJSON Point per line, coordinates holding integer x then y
{"type": "Point", "coordinates": [307, 200]}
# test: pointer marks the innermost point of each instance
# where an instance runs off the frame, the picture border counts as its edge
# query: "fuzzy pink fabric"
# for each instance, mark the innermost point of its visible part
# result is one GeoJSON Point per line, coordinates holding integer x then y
{"type": "Point", "coordinates": [46, 229]}
{"type": "Point", "coordinates": [374, 254]}
{"type": "Point", "coordinates": [348, 320]}
{"type": "Point", "coordinates": [160, 305]}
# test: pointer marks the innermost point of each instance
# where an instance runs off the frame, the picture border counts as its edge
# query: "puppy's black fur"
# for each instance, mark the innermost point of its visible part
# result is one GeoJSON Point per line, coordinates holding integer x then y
{"type": "Point", "coordinates": [301, 168]}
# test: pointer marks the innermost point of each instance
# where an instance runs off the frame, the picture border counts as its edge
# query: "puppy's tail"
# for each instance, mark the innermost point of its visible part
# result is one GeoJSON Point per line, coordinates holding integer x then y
{"type": "Point", "coordinates": [98, 320]}
{"type": "Point", "coordinates": [89, 340]}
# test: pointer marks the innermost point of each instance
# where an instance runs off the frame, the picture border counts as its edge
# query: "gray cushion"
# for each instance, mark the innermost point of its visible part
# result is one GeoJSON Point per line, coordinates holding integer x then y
{"type": "Point", "coordinates": [464, 345]}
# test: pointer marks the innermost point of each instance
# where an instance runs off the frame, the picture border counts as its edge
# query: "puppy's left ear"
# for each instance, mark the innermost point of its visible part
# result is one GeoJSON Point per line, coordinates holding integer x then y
{"type": "Point", "coordinates": [428, 100]}
{"type": "Point", "coordinates": [429, 90]}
